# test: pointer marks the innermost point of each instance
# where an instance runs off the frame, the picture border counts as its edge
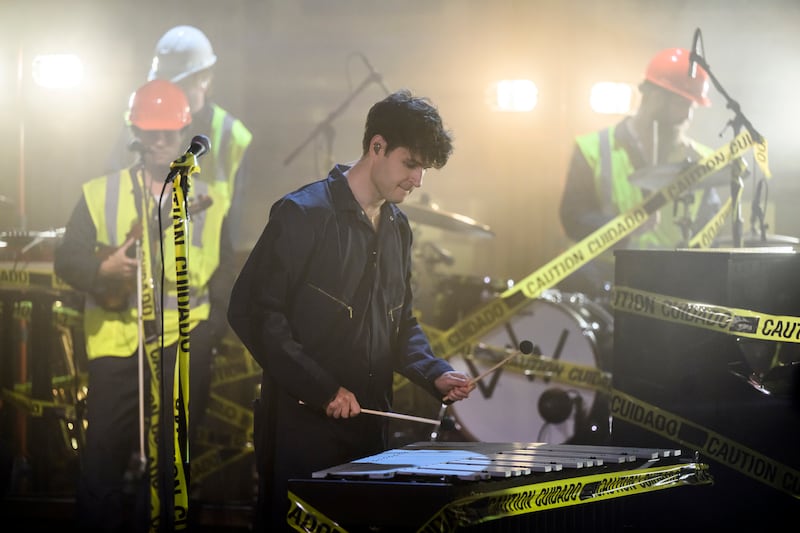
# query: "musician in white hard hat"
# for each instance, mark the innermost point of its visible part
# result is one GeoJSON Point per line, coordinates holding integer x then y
{"type": "Point", "coordinates": [185, 56]}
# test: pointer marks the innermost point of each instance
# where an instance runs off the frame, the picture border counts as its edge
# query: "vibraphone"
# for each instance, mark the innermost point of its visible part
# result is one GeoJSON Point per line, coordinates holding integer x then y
{"type": "Point", "coordinates": [445, 486]}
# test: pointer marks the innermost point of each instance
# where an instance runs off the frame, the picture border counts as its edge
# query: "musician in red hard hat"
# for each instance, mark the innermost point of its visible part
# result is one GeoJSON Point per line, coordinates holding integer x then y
{"type": "Point", "coordinates": [98, 256]}
{"type": "Point", "coordinates": [599, 185]}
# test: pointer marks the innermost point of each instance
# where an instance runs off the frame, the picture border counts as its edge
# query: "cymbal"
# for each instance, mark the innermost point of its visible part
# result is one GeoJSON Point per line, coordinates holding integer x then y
{"type": "Point", "coordinates": [432, 215]}
{"type": "Point", "coordinates": [655, 178]}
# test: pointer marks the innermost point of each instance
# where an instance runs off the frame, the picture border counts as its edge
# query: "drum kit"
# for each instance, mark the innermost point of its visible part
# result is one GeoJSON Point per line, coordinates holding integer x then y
{"type": "Point", "coordinates": [510, 406]}
{"type": "Point", "coordinates": [42, 368]}
{"type": "Point", "coordinates": [572, 327]}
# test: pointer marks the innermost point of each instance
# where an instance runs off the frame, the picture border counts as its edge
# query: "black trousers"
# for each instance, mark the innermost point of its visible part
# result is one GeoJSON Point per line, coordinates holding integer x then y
{"type": "Point", "coordinates": [113, 489]}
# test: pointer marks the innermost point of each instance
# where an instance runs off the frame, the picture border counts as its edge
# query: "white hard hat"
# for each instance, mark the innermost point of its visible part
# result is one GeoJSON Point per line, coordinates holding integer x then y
{"type": "Point", "coordinates": [181, 52]}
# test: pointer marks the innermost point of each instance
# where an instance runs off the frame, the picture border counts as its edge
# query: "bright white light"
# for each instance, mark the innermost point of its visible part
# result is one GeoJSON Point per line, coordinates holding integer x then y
{"type": "Point", "coordinates": [57, 71]}
{"type": "Point", "coordinates": [515, 95]}
{"type": "Point", "coordinates": [611, 98]}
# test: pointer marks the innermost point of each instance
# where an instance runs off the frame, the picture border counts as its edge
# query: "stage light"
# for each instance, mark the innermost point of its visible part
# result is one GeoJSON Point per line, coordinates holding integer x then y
{"type": "Point", "coordinates": [57, 71]}
{"type": "Point", "coordinates": [514, 95]}
{"type": "Point", "coordinates": [611, 98]}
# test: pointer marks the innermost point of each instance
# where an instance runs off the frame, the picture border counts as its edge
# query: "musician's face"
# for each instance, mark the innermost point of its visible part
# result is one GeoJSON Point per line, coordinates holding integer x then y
{"type": "Point", "coordinates": [161, 147]}
{"type": "Point", "coordinates": [675, 111]}
{"type": "Point", "coordinates": [195, 87]}
{"type": "Point", "coordinates": [397, 174]}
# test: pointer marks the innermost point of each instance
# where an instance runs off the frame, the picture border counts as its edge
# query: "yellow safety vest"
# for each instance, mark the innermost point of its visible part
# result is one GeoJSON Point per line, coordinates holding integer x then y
{"type": "Point", "coordinates": [229, 138]}
{"type": "Point", "coordinates": [113, 209]}
{"type": "Point", "coordinates": [612, 167]}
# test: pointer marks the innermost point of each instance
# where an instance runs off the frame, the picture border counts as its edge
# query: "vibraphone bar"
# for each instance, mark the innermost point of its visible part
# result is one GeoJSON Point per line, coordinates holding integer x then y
{"type": "Point", "coordinates": [447, 486]}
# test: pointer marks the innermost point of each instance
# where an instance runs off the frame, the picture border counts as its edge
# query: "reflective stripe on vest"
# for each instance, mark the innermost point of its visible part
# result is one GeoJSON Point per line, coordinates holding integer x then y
{"type": "Point", "coordinates": [229, 140]}
{"type": "Point", "coordinates": [606, 185]}
{"type": "Point", "coordinates": [112, 207]}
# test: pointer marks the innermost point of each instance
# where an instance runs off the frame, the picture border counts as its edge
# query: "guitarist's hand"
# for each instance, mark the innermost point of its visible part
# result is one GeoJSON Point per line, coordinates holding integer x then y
{"type": "Point", "coordinates": [118, 265]}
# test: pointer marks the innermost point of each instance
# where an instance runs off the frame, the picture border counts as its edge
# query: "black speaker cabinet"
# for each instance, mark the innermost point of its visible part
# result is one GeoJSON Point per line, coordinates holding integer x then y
{"type": "Point", "coordinates": [727, 384]}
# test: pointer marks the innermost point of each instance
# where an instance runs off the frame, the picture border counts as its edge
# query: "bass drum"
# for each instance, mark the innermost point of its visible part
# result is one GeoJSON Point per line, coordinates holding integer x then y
{"type": "Point", "coordinates": [508, 406]}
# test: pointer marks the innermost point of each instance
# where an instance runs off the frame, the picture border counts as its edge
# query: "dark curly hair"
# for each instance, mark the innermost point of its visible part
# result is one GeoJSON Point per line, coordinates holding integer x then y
{"type": "Point", "coordinates": [411, 122]}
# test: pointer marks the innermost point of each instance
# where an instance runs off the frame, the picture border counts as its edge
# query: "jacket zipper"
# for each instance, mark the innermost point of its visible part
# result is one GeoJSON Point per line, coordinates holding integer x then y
{"type": "Point", "coordinates": [334, 298]}
{"type": "Point", "coordinates": [392, 310]}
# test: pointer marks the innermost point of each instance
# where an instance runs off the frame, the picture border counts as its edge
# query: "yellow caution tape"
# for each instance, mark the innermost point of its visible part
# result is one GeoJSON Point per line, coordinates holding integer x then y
{"type": "Point", "coordinates": [705, 237]}
{"type": "Point", "coordinates": [79, 381]}
{"type": "Point", "coordinates": [214, 460]}
{"type": "Point", "coordinates": [236, 439]}
{"type": "Point", "coordinates": [714, 445]}
{"type": "Point", "coordinates": [500, 309]}
{"type": "Point", "coordinates": [623, 406]}
{"type": "Point", "coordinates": [562, 371]}
{"type": "Point", "coordinates": [35, 275]}
{"type": "Point", "coordinates": [525, 499]}
{"type": "Point", "coordinates": [38, 408]}
{"type": "Point", "coordinates": [180, 386]}
{"type": "Point", "coordinates": [230, 412]}
{"type": "Point", "coordinates": [728, 320]}
{"type": "Point", "coordinates": [227, 370]}
{"type": "Point", "coordinates": [305, 518]}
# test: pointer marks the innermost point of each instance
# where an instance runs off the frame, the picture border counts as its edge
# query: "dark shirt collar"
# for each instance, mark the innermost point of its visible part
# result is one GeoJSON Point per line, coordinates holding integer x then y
{"type": "Point", "coordinates": [341, 194]}
{"type": "Point", "coordinates": [343, 198]}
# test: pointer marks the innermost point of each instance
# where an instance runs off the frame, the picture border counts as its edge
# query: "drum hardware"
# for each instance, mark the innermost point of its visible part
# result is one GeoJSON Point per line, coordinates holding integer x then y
{"type": "Point", "coordinates": [431, 255]}
{"type": "Point", "coordinates": [440, 428]}
{"type": "Point", "coordinates": [43, 352]}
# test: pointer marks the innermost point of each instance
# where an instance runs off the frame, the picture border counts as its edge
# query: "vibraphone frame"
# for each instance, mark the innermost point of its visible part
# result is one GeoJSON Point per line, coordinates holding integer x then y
{"type": "Point", "coordinates": [394, 491]}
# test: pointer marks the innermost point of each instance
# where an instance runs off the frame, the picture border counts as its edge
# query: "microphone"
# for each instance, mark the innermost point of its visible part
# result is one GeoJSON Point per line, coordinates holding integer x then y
{"type": "Point", "coordinates": [694, 55]}
{"type": "Point", "coordinates": [378, 78]}
{"type": "Point", "coordinates": [199, 146]}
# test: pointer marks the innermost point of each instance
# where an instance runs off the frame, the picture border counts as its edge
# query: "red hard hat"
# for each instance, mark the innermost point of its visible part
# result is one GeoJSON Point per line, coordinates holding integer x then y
{"type": "Point", "coordinates": [159, 105]}
{"type": "Point", "coordinates": [670, 69]}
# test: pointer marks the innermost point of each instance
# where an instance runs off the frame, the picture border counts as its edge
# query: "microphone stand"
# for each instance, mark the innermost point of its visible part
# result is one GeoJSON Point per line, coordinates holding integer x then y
{"type": "Point", "coordinates": [326, 126]}
{"type": "Point", "coordinates": [737, 123]}
{"type": "Point", "coordinates": [757, 213]}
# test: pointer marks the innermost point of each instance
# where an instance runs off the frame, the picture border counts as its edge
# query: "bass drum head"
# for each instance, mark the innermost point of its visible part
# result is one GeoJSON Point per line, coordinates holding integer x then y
{"type": "Point", "coordinates": [508, 406]}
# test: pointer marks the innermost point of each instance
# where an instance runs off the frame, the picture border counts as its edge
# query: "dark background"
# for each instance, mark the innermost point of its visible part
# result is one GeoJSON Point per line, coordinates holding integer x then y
{"type": "Point", "coordinates": [284, 66]}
